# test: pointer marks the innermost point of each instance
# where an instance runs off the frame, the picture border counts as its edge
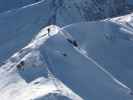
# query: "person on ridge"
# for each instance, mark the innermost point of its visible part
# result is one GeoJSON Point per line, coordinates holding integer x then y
{"type": "Point", "coordinates": [48, 31]}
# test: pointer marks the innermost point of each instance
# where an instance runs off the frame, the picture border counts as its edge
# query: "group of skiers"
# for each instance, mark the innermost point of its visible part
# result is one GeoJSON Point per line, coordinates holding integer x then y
{"type": "Point", "coordinates": [73, 42]}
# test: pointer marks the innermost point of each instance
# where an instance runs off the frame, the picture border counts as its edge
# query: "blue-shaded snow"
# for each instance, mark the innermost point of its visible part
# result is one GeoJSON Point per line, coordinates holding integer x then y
{"type": "Point", "coordinates": [19, 26]}
{"type": "Point", "coordinates": [31, 73]}
{"type": "Point", "coordinates": [108, 44]}
{"type": "Point", "coordinates": [6, 5]}
{"type": "Point", "coordinates": [80, 74]}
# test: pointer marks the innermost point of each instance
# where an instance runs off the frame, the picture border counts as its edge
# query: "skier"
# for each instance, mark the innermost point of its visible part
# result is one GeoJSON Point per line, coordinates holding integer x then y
{"type": "Point", "coordinates": [48, 31]}
{"type": "Point", "coordinates": [73, 42]}
{"type": "Point", "coordinates": [20, 64]}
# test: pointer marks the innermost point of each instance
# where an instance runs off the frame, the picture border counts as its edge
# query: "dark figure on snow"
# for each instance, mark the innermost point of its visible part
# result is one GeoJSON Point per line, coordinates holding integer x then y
{"type": "Point", "coordinates": [48, 30]}
{"type": "Point", "coordinates": [19, 66]}
{"type": "Point", "coordinates": [73, 42]}
{"type": "Point", "coordinates": [64, 54]}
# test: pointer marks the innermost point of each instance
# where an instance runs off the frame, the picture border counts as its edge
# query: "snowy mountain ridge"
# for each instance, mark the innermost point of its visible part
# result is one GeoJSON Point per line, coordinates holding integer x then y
{"type": "Point", "coordinates": [47, 12]}
{"type": "Point", "coordinates": [28, 59]}
{"type": "Point", "coordinates": [80, 8]}
{"type": "Point", "coordinates": [73, 62]}
{"type": "Point", "coordinates": [40, 86]}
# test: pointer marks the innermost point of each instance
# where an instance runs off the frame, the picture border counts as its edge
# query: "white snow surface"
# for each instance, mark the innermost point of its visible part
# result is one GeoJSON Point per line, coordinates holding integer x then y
{"type": "Point", "coordinates": [14, 87]}
{"type": "Point", "coordinates": [53, 65]}
{"type": "Point", "coordinates": [25, 22]}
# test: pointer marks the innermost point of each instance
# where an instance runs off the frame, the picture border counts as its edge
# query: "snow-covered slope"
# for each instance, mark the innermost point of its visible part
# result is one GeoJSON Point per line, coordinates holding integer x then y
{"type": "Point", "coordinates": [32, 81]}
{"type": "Point", "coordinates": [110, 44]}
{"type": "Point", "coordinates": [52, 66]}
{"type": "Point", "coordinates": [126, 20]}
{"type": "Point", "coordinates": [75, 62]}
{"type": "Point", "coordinates": [26, 21]}
{"type": "Point", "coordinates": [6, 5]}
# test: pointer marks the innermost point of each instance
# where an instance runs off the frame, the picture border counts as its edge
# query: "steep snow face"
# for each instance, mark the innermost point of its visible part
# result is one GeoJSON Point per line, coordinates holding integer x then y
{"type": "Point", "coordinates": [93, 9]}
{"type": "Point", "coordinates": [8, 4]}
{"type": "Point", "coordinates": [109, 44]}
{"type": "Point", "coordinates": [53, 63]}
{"type": "Point", "coordinates": [26, 21]}
{"type": "Point", "coordinates": [25, 75]}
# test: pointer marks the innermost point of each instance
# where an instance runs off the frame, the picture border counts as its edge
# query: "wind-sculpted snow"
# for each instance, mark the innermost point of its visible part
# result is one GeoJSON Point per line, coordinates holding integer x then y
{"type": "Point", "coordinates": [6, 5]}
{"type": "Point", "coordinates": [109, 44]}
{"type": "Point", "coordinates": [82, 61]}
{"type": "Point", "coordinates": [82, 75]}
{"type": "Point", "coordinates": [20, 25]}
{"type": "Point", "coordinates": [56, 65]}
{"type": "Point", "coordinates": [25, 75]}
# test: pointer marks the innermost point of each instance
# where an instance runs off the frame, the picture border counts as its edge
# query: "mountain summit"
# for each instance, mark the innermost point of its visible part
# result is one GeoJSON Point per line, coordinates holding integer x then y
{"type": "Point", "coordinates": [56, 64]}
{"type": "Point", "coordinates": [49, 51]}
